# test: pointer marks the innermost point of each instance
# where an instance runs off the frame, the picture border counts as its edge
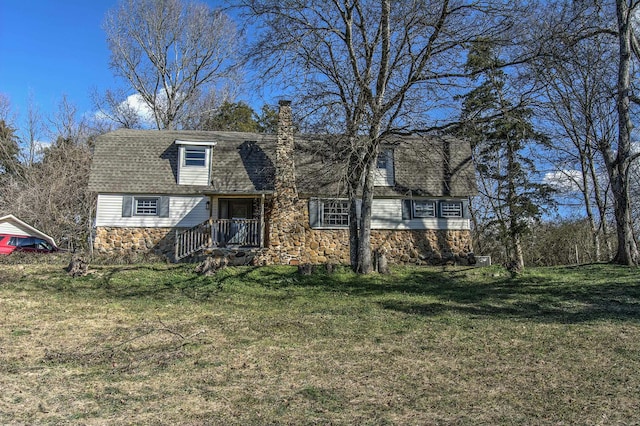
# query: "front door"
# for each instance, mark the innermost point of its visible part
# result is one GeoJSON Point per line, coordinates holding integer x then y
{"type": "Point", "coordinates": [236, 208]}
{"type": "Point", "coordinates": [236, 230]}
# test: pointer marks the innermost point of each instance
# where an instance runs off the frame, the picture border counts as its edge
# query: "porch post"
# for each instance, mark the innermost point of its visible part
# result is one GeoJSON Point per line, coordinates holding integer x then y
{"type": "Point", "coordinates": [262, 221]}
{"type": "Point", "coordinates": [210, 242]}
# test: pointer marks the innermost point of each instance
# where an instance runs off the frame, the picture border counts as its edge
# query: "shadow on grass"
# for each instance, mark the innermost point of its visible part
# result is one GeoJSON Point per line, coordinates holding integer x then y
{"type": "Point", "coordinates": [563, 294]}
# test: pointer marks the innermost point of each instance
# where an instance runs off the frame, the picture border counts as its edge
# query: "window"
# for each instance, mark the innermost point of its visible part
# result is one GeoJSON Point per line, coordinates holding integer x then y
{"type": "Point", "coordinates": [383, 160]}
{"type": "Point", "coordinates": [195, 156]}
{"type": "Point", "coordinates": [146, 206]}
{"type": "Point", "coordinates": [451, 209]}
{"type": "Point", "coordinates": [424, 208]}
{"type": "Point", "coordinates": [335, 213]}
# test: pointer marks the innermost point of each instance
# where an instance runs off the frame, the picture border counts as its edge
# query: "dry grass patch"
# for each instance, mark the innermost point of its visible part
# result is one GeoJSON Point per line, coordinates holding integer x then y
{"type": "Point", "coordinates": [138, 344]}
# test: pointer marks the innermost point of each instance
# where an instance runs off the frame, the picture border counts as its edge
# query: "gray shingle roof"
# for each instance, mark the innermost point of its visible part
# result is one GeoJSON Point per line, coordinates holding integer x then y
{"type": "Point", "coordinates": [146, 161]}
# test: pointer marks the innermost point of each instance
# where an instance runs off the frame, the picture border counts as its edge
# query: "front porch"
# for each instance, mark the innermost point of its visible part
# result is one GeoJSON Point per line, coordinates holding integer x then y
{"type": "Point", "coordinates": [217, 233]}
{"type": "Point", "coordinates": [233, 223]}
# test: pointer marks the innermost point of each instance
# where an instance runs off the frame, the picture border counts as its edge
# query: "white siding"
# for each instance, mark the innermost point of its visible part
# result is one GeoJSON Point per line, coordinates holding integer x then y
{"type": "Point", "coordinates": [183, 212]}
{"type": "Point", "coordinates": [193, 175]}
{"type": "Point", "coordinates": [10, 228]}
{"type": "Point", "coordinates": [387, 214]}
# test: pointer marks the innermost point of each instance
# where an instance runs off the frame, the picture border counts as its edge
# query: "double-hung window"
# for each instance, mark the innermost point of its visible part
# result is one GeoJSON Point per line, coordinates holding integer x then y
{"type": "Point", "coordinates": [383, 160]}
{"type": "Point", "coordinates": [147, 206]}
{"type": "Point", "coordinates": [424, 208]}
{"type": "Point", "coordinates": [329, 213]}
{"type": "Point", "coordinates": [335, 213]}
{"type": "Point", "coordinates": [420, 209]}
{"type": "Point", "coordinates": [450, 209]}
{"type": "Point", "coordinates": [195, 156]}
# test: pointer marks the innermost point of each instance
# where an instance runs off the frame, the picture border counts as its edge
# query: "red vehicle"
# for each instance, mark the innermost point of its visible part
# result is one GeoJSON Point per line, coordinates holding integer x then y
{"type": "Point", "coordinates": [22, 243]}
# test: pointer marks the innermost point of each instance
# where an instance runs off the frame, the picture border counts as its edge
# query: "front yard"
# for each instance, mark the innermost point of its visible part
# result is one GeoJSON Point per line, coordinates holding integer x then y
{"type": "Point", "coordinates": [157, 344]}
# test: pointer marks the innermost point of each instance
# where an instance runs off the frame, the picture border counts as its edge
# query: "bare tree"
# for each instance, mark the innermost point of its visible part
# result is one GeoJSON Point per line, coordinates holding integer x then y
{"type": "Point", "coordinates": [619, 161]}
{"type": "Point", "coordinates": [51, 193]}
{"type": "Point", "coordinates": [370, 68]}
{"type": "Point", "coordinates": [32, 132]}
{"type": "Point", "coordinates": [170, 53]}
{"type": "Point", "coordinates": [580, 109]}
{"type": "Point", "coordinates": [116, 108]}
{"type": "Point", "coordinates": [613, 21]}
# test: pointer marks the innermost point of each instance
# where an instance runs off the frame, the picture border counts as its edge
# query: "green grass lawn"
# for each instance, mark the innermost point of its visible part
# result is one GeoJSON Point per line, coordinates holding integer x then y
{"type": "Point", "coordinates": [157, 344]}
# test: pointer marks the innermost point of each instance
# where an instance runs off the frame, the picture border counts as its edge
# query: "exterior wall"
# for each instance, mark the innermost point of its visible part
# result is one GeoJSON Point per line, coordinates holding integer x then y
{"type": "Point", "coordinates": [184, 212]}
{"type": "Point", "coordinates": [117, 240]}
{"type": "Point", "coordinates": [407, 246]}
{"type": "Point", "coordinates": [387, 214]}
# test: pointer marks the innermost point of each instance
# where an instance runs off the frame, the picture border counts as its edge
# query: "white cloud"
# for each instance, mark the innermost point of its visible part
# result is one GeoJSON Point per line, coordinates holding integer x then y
{"type": "Point", "coordinates": [40, 146]}
{"type": "Point", "coordinates": [132, 106]}
{"type": "Point", "coordinates": [139, 106]}
{"type": "Point", "coordinates": [564, 180]}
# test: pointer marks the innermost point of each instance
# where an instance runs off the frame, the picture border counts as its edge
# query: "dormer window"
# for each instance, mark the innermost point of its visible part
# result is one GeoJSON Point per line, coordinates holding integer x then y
{"type": "Point", "coordinates": [195, 156]}
{"type": "Point", "coordinates": [194, 162]}
{"type": "Point", "coordinates": [384, 168]}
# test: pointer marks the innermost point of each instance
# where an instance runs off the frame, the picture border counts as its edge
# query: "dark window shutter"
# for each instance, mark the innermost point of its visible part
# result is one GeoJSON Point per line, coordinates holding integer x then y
{"type": "Point", "coordinates": [406, 209]}
{"type": "Point", "coordinates": [164, 206]}
{"type": "Point", "coordinates": [314, 212]}
{"type": "Point", "coordinates": [127, 206]}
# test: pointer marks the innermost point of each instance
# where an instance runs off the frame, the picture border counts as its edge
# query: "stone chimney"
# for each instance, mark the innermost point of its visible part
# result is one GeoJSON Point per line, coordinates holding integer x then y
{"type": "Point", "coordinates": [286, 228]}
{"type": "Point", "coordinates": [285, 184]}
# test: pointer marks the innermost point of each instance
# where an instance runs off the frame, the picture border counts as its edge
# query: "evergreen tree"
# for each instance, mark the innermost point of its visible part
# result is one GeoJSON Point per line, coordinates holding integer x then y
{"type": "Point", "coordinates": [234, 117]}
{"type": "Point", "coordinates": [267, 119]}
{"type": "Point", "coordinates": [502, 135]}
{"type": "Point", "coordinates": [9, 150]}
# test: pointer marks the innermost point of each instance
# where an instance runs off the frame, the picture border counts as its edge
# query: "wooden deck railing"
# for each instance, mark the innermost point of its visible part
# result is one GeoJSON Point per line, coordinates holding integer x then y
{"type": "Point", "coordinates": [217, 233]}
{"type": "Point", "coordinates": [192, 240]}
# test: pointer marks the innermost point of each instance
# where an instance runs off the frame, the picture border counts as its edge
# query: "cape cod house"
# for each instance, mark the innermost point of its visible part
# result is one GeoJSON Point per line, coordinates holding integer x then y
{"type": "Point", "coordinates": [180, 192]}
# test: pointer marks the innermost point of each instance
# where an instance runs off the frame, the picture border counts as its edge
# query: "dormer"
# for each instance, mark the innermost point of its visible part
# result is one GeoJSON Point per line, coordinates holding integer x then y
{"type": "Point", "coordinates": [194, 162]}
{"type": "Point", "coordinates": [383, 175]}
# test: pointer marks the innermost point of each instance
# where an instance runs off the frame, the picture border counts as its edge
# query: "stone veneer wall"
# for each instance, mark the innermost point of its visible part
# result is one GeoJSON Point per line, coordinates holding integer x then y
{"type": "Point", "coordinates": [114, 240]}
{"type": "Point", "coordinates": [302, 244]}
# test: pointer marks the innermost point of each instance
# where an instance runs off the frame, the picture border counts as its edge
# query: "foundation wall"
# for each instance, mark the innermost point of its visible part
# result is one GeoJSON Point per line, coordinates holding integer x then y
{"type": "Point", "coordinates": [114, 240]}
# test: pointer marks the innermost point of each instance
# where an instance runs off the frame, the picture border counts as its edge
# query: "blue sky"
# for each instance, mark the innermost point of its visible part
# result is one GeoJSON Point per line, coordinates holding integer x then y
{"type": "Point", "coordinates": [51, 48]}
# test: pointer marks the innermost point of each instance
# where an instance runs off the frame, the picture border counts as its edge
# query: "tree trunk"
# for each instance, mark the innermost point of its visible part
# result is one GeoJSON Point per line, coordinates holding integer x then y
{"type": "Point", "coordinates": [619, 169]}
{"type": "Point", "coordinates": [365, 263]}
{"type": "Point", "coordinates": [354, 238]}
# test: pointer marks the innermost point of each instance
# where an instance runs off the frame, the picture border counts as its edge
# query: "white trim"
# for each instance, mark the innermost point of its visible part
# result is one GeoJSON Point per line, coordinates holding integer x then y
{"type": "Point", "coordinates": [196, 143]}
